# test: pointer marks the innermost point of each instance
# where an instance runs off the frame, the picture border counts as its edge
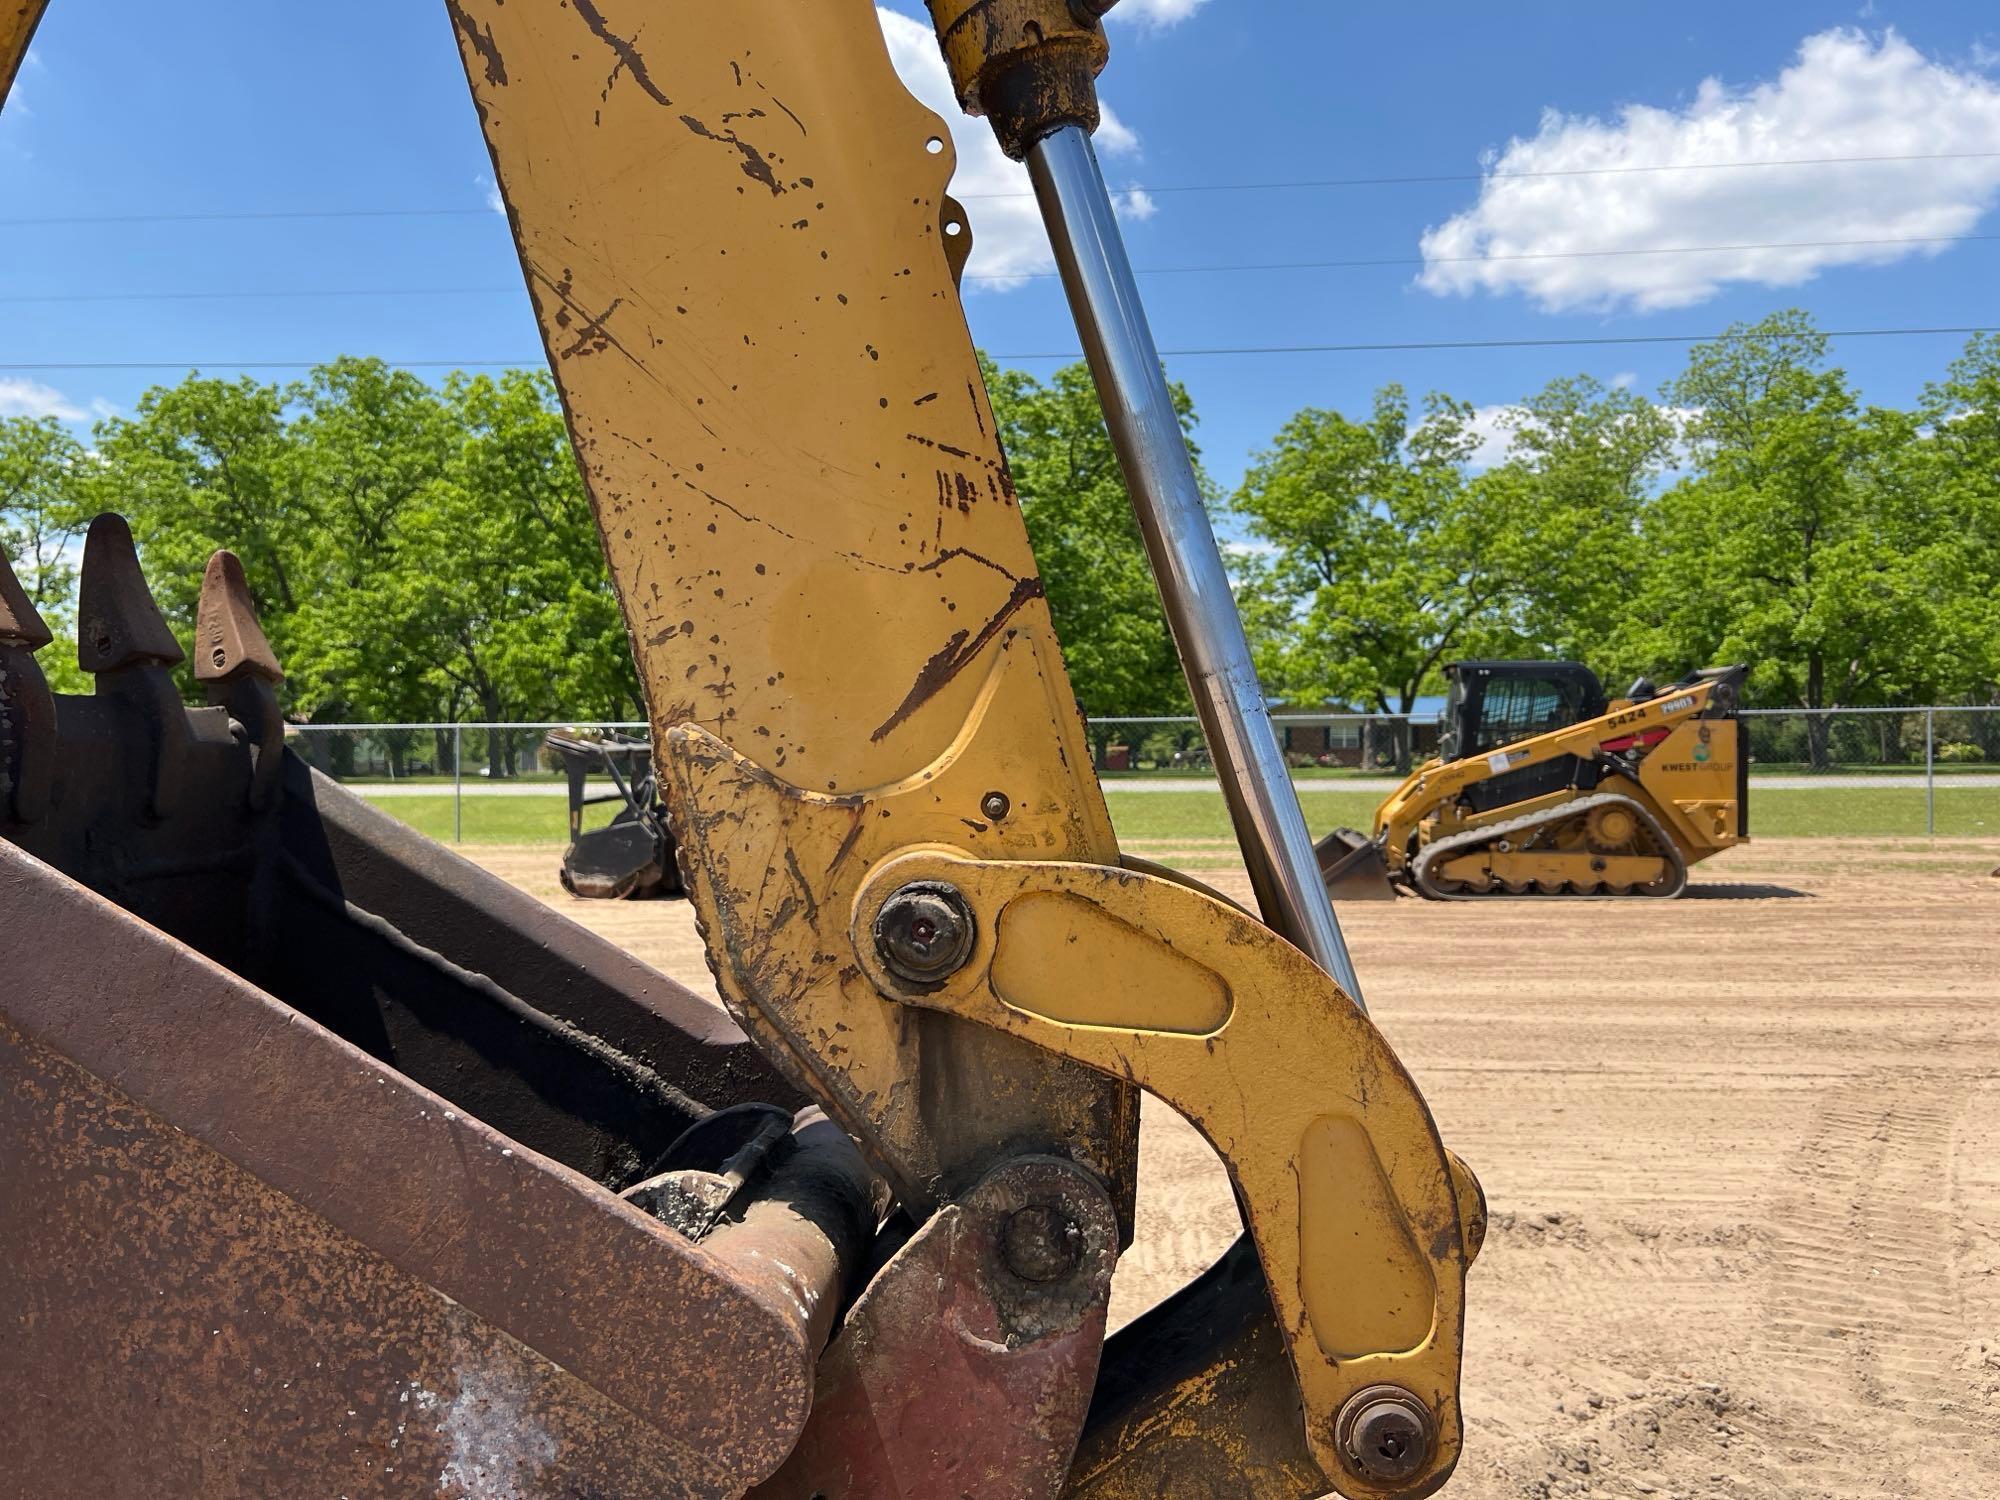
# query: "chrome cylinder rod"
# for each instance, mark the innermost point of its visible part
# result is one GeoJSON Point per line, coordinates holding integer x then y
{"type": "Point", "coordinates": [1187, 563]}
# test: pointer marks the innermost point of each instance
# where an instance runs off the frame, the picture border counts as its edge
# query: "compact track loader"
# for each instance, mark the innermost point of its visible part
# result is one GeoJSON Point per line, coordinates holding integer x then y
{"type": "Point", "coordinates": [1542, 787]}
{"type": "Point", "coordinates": [331, 1166]}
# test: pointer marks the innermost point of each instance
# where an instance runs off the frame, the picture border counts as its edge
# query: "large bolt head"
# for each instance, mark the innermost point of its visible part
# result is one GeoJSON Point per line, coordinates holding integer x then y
{"type": "Point", "coordinates": [924, 932]}
{"type": "Point", "coordinates": [1385, 1434]}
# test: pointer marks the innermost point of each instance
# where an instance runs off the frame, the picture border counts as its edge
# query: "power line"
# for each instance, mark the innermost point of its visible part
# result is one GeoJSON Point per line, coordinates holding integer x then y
{"type": "Point", "coordinates": [264, 364]}
{"type": "Point", "coordinates": [1289, 265]}
{"type": "Point", "coordinates": [1443, 260]}
{"type": "Point", "coordinates": [283, 295]}
{"type": "Point", "coordinates": [254, 214]}
{"type": "Point", "coordinates": [1423, 346]}
{"type": "Point", "coordinates": [1415, 179]}
{"type": "Point", "coordinates": [1451, 177]}
{"type": "Point", "coordinates": [1415, 346]}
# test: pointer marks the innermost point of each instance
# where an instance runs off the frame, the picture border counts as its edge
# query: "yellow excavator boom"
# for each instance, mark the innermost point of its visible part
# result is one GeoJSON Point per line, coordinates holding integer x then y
{"type": "Point", "coordinates": [861, 1247]}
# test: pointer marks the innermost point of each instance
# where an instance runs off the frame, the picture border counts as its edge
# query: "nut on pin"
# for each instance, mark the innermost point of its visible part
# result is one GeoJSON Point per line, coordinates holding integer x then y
{"type": "Point", "coordinates": [1384, 1434]}
{"type": "Point", "coordinates": [924, 932]}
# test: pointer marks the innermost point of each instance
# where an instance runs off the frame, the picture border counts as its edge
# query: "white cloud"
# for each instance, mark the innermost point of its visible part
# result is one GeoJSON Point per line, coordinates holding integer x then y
{"type": "Point", "coordinates": [30, 398]}
{"type": "Point", "coordinates": [1494, 427]}
{"type": "Point", "coordinates": [1135, 204]}
{"type": "Point", "coordinates": [17, 100]}
{"type": "Point", "coordinates": [1156, 15]}
{"type": "Point", "coordinates": [491, 190]}
{"type": "Point", "coordinates": [1843, 96]}
{"type": "Point", "coordinates": [1008, 241]}
{"type": "Point", "coordinates": [1244, 551]}
{"type": "Point", "coordinates": [1114, 137]}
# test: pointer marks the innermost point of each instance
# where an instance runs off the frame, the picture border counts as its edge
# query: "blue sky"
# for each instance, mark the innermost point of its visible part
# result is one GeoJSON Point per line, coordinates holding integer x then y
{"type": "Point", "coordinates": [130, 108]}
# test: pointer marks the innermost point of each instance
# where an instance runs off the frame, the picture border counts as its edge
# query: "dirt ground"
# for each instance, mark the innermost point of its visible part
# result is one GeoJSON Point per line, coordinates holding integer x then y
{"type": "Point", "coordinates": [1742, 1153]}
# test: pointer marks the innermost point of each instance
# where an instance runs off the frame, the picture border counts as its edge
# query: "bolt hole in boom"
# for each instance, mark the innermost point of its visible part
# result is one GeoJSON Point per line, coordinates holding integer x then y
{"type": "Point", "coordinates": [934, 145]}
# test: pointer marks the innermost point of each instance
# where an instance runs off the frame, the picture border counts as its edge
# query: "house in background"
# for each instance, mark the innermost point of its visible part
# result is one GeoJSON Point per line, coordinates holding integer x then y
{"type": "Point", "coordinates": [1334, 734]}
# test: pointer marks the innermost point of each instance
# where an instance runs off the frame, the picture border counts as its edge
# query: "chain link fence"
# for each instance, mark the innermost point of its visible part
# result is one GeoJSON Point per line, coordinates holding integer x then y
{"type": "Point", "coordinates": [1862, 773]}
{"type": "Point", "coordinates": [1875, 772]}
{"type": "Point", "coordinates": [458, 783]}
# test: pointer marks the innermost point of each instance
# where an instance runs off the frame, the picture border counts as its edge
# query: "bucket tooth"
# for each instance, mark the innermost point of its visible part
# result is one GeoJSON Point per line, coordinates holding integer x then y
{"type": "Point", "coordinates": [229, 642]}
{"type": "Point", "coordinates": [27, 711]}
{"type": "Point", "coordinates": [20, 625]}
{"type": "Point", "coordinates": [123, 640]}
{"type": "Point", "coordinates": [235, 664]}
{"type": "Point", "coordinates": [118, 624]}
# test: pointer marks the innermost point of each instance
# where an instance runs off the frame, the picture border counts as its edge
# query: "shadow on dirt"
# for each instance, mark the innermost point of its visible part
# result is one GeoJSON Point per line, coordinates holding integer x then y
{"type": "Point", "coordinates": [1735, 891]}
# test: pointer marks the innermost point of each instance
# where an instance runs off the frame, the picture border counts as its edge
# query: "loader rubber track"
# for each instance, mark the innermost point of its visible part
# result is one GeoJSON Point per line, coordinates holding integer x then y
{"type": "Point", "coordinates": [1582, 807]}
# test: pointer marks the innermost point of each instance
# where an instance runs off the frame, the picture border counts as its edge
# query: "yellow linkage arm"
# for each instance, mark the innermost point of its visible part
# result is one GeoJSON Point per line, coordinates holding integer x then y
{"type": "Point", "coordinates": [1364, 1222]}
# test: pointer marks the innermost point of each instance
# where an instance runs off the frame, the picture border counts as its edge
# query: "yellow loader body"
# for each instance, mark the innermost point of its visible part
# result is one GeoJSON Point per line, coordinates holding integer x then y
{"type": "Point", "coordinates": [1620, 800]}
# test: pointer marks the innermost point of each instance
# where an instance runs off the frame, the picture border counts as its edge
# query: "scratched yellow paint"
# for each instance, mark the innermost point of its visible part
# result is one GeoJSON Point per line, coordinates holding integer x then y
{"type": "Point", "coordinates": [729, 218]}
{"type": "Point", "coordinates": [1364, 1223]}
{"type": "Point", "coordinates": [773, 875]}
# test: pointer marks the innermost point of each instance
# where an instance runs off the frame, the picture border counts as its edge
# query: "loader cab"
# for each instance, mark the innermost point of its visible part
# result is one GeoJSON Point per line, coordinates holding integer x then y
{"type": "Point", "coordinates": [1495, 703]}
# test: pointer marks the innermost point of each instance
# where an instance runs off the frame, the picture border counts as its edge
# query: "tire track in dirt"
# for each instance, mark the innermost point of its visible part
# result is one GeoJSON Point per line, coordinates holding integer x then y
{"type": "Point", "coordinates": [1863, 1321]}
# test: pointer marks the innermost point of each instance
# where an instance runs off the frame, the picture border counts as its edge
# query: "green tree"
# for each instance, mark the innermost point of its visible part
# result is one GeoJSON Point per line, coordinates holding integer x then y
{"type": "Point", "coordinates": [515, 482]}
{"type": "Point", "coordinates": [1380, 560]}
{"type": "Point", "coordinates": [1959, 463]}
{"type": "Point", "coordinates": [1583, 465]}
{"type": "Point", "coordinates": [207, 464]}
{"type": "Point", "coordinates": [415, 553]}
{"type": "Point", "coordinates": [492, 601]}
{"type": "Point", "coordinates": [1807, 543]}
{"type": "Point", "coordinates": [367, 443]}
{"type": "Point", "coordinates": [1087, 544]}
{"type": "Point", "coordinates": [44, 506]}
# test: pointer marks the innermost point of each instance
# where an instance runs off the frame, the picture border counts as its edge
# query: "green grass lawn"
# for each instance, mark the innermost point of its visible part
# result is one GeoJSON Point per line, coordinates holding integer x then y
{"type": "Point", "coordinates": [1833, 811]}
{"type": "Point", "coordinates": [1943, 768]}
{"type": "Point", "coordinates": [1808, 812]}
{"type": "Point", "coordinates": [492, 820]}
{"type": "Point", "coordinates": [1172, 815]}
{"type": "Point", "coordinates": [1871, 812]}
{"type": "Point", "coordinates": [1299, 773]}
{"type": "Point", "coordinates": [444, 779]}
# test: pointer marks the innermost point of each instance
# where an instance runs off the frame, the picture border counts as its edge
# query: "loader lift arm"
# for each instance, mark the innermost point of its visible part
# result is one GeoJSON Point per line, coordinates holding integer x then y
{"type": "Point", "coordinates": [735, 227]}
